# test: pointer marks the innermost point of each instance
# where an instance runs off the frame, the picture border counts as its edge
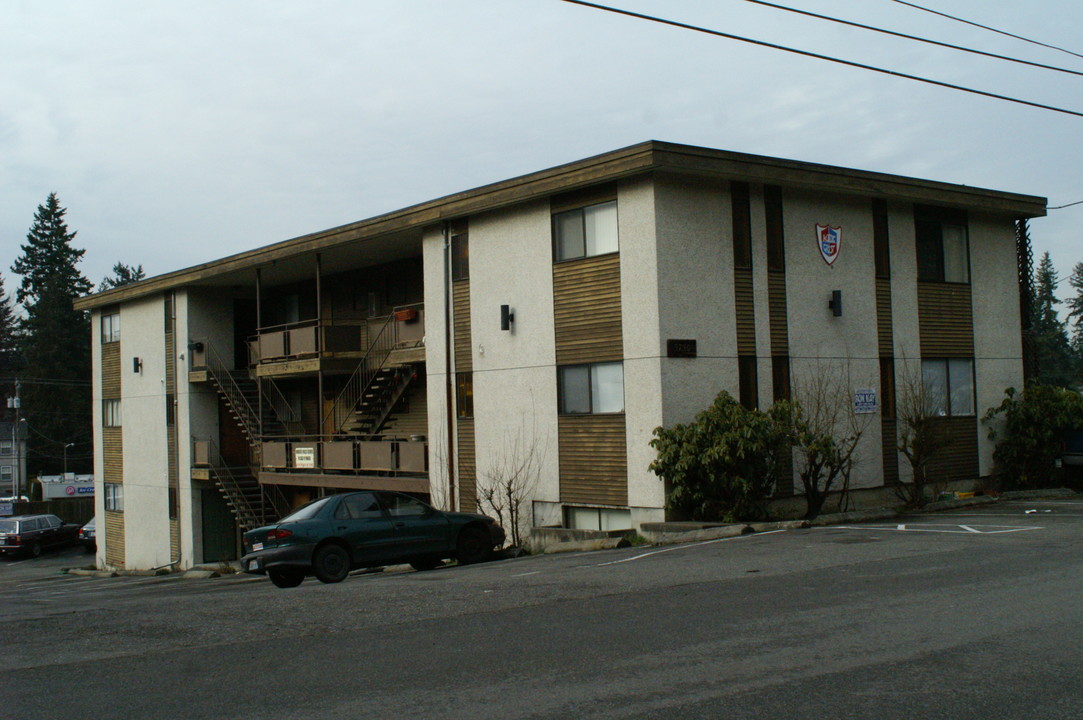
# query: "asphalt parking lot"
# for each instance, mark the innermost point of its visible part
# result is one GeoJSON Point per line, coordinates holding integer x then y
{"type": "Point", "coordinates": [972, 613]}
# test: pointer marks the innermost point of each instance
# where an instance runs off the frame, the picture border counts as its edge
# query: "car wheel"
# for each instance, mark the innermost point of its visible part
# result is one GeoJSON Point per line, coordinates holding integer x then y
{"type": "Point", "coordinates": [473, 546]}
{"type": "Point", "coordinates": [286, 578]}
{"type": "Point", "coordinates": [426, 564]}
{"type": "Point", "coordinates": [331, 564]}
{"type": "Point", "coordinates": [34, 550]}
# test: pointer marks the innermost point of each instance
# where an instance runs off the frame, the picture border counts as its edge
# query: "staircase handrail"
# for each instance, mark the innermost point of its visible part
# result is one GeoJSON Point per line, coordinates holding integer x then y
{"type": "Point", "coordinates": [228, 481]}
{"type": "Point", "coordinates": [276, 400]}
{"type": "Point", "coordinates": [249, 418]}
{"type": "Point", "coordinates": [346, 401]}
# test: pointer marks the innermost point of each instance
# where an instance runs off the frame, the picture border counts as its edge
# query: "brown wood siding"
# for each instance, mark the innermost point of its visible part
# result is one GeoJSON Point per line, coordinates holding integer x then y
{"type": "Point", "coordinates": [885, 336]}
{"type": "Point", "coordinates": [744, 308]}
{"type": "Point", "coordinates": [111, 370]}
{"type": "Point", "coordinates": [174, 538]}
{"type": "Point", "coordinates": [945, 320]}
{"type": "Point", "coordinates": [587, 310]}
{"type": "Point", "coordinates": [958, 459]}
{"type": "Point", "coordinates": [114, 539]}
{"type": "Point", "coordinates": [468, 468]}
{"type": "Point", "coordinates": [411, 413]}
{"type": "Point", "coordinates": [461, 308]}
{"type": "Point", "coordinates": [776, 308]}
{"type": "Point", "coordinates": [593, 459]}
{"type": "Point", "coordinates": [889, 442]}
{"type": "Point", "coordinates": [113, 454]}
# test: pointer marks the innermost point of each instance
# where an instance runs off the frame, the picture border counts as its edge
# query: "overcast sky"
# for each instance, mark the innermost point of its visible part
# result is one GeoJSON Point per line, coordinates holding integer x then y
{"type": "Point", "coordinates": [177, 133]}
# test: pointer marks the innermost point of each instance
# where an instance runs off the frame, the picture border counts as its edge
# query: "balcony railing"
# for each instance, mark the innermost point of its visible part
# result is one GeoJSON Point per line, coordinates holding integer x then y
{"type": "Point", "coordinates": [394, 456]}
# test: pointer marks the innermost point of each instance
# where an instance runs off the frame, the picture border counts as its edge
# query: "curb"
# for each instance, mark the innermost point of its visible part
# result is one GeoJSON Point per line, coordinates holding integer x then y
{"type": "Point", "coordinates": [959, 503]}
{"type": "Point", "coordinates": [586, 545]}
{"type": "Point", "coordinates": [854, 516]}
{"type": "Point", "coordinates": [1039, 494]}
{"type": "Point", "coordinates": [82, 572]}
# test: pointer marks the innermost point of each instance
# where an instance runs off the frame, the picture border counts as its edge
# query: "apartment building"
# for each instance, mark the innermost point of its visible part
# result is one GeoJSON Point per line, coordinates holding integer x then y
{"type": "Point", "coordinates": [545, 325]}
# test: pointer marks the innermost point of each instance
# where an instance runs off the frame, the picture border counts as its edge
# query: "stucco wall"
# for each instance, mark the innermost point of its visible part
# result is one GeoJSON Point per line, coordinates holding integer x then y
{"type": "Point", "coordinates": [143, 414]}
{"type": "Point", "coordinates": [435, 367]}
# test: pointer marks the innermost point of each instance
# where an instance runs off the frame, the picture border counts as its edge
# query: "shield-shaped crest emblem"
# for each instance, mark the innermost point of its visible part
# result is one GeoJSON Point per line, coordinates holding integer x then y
{"type": "Point", "coordinates": [829, 240]}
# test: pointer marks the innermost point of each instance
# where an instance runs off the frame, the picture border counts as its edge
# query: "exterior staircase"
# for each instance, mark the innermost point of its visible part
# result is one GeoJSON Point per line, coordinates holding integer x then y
{"type": "Point", "coordinates": [252, 504]}
{"type": "Point", "coordinates": [383, 391]}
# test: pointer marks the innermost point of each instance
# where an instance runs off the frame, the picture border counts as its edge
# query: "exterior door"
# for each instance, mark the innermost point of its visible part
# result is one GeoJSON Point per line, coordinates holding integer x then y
{"type": "Point", "coordinates": [219, 527]}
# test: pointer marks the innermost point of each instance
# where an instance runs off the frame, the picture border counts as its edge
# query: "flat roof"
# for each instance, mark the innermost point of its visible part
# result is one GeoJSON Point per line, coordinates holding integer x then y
{"type": "Point", "coordinates": [650, 156]}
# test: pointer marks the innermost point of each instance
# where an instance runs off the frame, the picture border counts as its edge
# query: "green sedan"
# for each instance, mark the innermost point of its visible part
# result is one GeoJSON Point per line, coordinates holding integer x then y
{"type": "Point", "coordinates": [331, 536]}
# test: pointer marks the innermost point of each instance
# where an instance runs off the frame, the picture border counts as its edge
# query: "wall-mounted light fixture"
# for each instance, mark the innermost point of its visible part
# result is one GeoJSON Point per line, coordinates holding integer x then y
{"type": "Point", "coordinates": [507, 317]}
{"type": "Point", "coordinates": [137, 365]}
{"type": "Point", "coordinates": [835, 303]}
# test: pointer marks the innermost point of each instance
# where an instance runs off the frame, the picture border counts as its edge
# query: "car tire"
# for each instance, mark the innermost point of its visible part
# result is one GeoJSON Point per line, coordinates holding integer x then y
{"type": "Point", "coordinates": [473, 546]}
{"type": "Point", "coordinates": [34, 550]}
{"type": "Point", "coordinates": [426, 564]}
{"type": "Point", "coordinates": [331, 564]}
{"type": "Point", "coordinates": [286, 578]}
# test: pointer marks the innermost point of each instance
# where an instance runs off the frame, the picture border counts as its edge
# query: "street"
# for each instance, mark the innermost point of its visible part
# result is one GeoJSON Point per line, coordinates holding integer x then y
{"type": "Point", "coordinates": [968, 614]}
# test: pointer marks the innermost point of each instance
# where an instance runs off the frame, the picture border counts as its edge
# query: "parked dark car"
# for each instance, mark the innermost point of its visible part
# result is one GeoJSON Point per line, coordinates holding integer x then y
{"type": "Point", "coordinates": [29, 535]}
{"type": "Point", "coordinates": [88, 536]}
{"type": "Point", "coordinates": [331, 536]}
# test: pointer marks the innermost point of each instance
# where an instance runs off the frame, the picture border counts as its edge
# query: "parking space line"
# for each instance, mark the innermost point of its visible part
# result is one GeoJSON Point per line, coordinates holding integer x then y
{"type": "Point", "coordinates": [937, 528]}
{"type": "Point", "coordinates": [686, 545]}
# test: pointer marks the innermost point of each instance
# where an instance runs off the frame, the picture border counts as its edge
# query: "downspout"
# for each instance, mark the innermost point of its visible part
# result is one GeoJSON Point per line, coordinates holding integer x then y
{"type": "Point", "coordinates": [448, 371]}
{"type": "Point", "coordinates": [319, 343]}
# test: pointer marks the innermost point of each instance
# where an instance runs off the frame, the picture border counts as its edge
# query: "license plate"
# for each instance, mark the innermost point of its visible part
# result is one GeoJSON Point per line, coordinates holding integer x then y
{"type": "Point", "coordinates": [253, 564]}
{"type": "Point", "coordinates": [257, 546]}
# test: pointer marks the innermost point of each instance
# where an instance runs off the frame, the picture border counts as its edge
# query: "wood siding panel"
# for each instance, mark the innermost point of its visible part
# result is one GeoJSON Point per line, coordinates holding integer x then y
{"type": "Point", "coordinates": [885, 335]}
{"type": "Point", "coordinates": [946, 320]}
{"type": "Point", "coordinates": [587, 310]}
{"type": "Point", "coordinates": [114, 539]}
{"type": "Point", "coordinates": [410, 415]}
{"type": "Point", "coordinates": [744, 308]}
{"type": "Point", "coordinates": [464, 361]}
{"type": "Point", "coordinates": [958, 459]}
{"type": "Point", "coordinates": [776, 308]}
{"type": "Point", "coordinates": [113, 454]}
{"type": "Point", "coordinates": [890, 453]}
{"type": "Point", "coordinates": [468, 472]}
{"type": "Point", "coordinates": [111, 370]}
{"type": "Point", "coordinates": [174, 538]}
{"type": "Point", "coordinates": [593, 459]}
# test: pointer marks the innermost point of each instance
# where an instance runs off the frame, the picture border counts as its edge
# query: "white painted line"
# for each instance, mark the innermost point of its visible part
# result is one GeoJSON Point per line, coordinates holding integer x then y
{"type": "Point", "coordinates": [535, 572]}
{"type": "Point", "coordinates": [970, 529]}
{"type": "Point", "coordinates": [687, 545]}
{"type": "Point", "coordinates": [900, 527]}
{"type": "Point", "coordinates": [952, 529]}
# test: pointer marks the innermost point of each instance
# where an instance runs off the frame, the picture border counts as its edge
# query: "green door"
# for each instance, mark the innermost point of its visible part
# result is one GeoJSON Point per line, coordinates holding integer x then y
{"type": "Point", "coordinates": [219, 528]}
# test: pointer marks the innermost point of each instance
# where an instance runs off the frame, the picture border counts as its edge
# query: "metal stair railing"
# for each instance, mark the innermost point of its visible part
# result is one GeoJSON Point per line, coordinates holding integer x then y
{"type": "Point", "coordinates": [248, 516]}
{"type": "Point", "coordinates": [280, 406]}
{"type": "Point", "coordinates": [389, 400]}
{"type": "Point", "coordinates": [223, 378]}
{"type": "Point", "coordinates": [366, 370]}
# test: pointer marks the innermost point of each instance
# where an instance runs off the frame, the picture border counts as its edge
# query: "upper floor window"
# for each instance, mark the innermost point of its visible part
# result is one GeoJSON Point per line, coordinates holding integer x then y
{"type": "Point", "coordinates": [114, 497]}
{"type": "Point", "coordinates": [464, 394]}
{"type": "Point", "coordinates": [942, 247]}
{"type": "Point", "coordinates": [460, 257]}
{"type": "Point", "coordinates": [111, 327]}
{"type": "Point", "coordinates": [110, 413]}
{"type": "Point", "coordinates": [585, 231]}
{"type": "Point", "coordinates": [591, 389]}
{"type": "Point", "coordinates": [5, 447]}
{"type": "Point", "coordinates": [949, 386]}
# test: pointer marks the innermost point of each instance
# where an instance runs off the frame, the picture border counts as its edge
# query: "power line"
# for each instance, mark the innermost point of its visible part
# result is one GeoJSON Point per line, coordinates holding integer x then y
{"type": "Point", "coordinates": [828, 58]}
{"type": "Point", "coordinates": [986, 27]}
{"type": "Point", "coordinates": [1061, 207]}
{"type": "Point", "coordinates": [916, 38]}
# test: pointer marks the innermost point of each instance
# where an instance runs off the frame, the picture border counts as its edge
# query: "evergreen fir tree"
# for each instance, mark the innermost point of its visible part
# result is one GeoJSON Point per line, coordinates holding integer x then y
{"type": "Point", "coordinates": [9, 365]}
{"type": "Point", "coordinates": [122, 275]}
{"type": "Point", "coordinates": [55, 344]}
{"type": "Point", "coordinates": [1075, 312]}
{"type": "Point", "coordinates": [1055, 364]}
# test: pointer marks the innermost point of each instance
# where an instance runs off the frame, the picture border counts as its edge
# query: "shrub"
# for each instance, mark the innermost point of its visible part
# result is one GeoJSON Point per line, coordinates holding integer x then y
{"type": "Point", "coordinates": [722, 465]}
{"type": "Point", "coordinates": [1029, 427]}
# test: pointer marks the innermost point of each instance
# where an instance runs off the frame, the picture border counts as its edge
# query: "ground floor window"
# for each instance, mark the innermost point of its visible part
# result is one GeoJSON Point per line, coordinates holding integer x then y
{"type": "Point", "coordinates": [949, 386]}
{"type": "Point", "coordinates": [597, 518]}
{"type": "Point", "coordinates": [111, 413]}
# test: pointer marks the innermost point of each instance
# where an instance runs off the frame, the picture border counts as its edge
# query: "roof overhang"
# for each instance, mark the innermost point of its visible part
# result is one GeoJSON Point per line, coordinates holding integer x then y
{"type": "Point", "coordinates": [647, 157]}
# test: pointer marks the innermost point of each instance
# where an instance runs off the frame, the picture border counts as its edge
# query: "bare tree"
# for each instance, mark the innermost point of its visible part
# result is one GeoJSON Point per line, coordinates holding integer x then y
{"type": "Point", "coordinates": [507, 484]}
{"type": "Point", "coordinates": [825, 431]}
{"type": "Point", "coordinates": [921, 436]}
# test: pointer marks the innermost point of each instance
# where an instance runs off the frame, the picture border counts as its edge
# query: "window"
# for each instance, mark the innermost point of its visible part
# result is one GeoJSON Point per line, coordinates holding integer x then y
{"type": "Point", "coordinates": [887, 388]}
{"type": "Point", "coordinates": [111, 327]}
{"type": "Point", "coordinates": [174, 503]}
{"type": "Point", "coordinates": [6, 475]}
{"type": "Point", "coordinates": [460, 257]}
{"type": "Point", "coordinates": [114, 497]}
{"type": "Point", "coordinates": [747, 381]}
{"type": "Point", "coordinates": [881, 254]}
{"type": "Point", "coordinates": [585, 231]}
{"type": "Point", "coordinates": [360, 506]}
{"type": "Point", "coordinates": [591, 389]}
{"type": "Point", "coordinates": [942, 248]}
{"type": "Point", "coordinates": [464, 394]}
{"type": "Point", "coordinates": [948, 386]}
{"type": "Point", "coordinates": [110, 413]}
{"type": "Point", "coordinates": [780, 377]}
{"type": "Point", "coordinates": [170, 409]}
{"type": "Point", "coordinates": [403, 505]}
{"type": "Point", "coordinates": [742, 225]}
{"type": "Point", "coordinates": [5, 447]}
{"type": "Point", "coordinates": [776, 245]}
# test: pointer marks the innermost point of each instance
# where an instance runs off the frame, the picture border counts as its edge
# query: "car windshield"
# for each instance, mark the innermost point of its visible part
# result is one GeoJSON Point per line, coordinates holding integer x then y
{"type": "Point", "coordinates": [307, 511]}
{"type": "Point", "coordinates": [8, 526]}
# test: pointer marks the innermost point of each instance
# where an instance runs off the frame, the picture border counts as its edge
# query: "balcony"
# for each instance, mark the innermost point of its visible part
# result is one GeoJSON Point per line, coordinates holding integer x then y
{"type": "Point", "coordinates": [311, 346]}
{"type": "Point", "coordinates": [382, 464]}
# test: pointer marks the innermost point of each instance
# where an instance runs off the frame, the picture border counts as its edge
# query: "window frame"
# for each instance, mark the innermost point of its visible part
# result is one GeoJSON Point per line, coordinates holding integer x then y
{"type": "Point", "coordinates": [111, 416]}
{"type": "Point", "coordinates": [114, 497]}
{"type": "Point", "coordinates": [929, 246]}
{"type": "Point", "coordinates": [464, 394]}
{"type": "Point", "coordinates": [948, 409]}
{"type": "Point", "coordinates": [581, 212]}
{"type": "Point", "coordinates": [110, 327]}
{"type": "Point", "coordinates": [590, 385]}
{"type": "Point", "coordinates": [460, 256]}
